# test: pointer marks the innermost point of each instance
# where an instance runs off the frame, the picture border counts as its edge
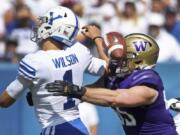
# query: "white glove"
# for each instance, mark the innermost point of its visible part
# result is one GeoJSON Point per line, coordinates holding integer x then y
{"type": "Point", "coordinates": [174, 104]}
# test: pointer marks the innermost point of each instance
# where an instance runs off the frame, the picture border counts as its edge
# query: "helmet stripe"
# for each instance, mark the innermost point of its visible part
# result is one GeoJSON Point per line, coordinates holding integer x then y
{"type": "Point", "coordinates": [75, 29]}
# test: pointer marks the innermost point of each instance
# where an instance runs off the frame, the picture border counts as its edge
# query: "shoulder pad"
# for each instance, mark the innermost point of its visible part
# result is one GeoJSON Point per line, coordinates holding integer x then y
{"type": "Point", "coordinates": [146, 77]}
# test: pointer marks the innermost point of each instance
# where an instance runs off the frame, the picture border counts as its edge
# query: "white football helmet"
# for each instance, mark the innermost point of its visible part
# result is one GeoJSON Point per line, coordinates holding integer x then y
{"type": "Point", "coordinates": [59, 23]}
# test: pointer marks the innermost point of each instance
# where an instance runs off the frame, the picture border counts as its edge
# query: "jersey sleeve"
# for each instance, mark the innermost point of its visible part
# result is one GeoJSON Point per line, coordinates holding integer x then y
{"type": "Point", "coordinates": [28, 67]}
{"type": "Point", "coordinates": [148, 78]}
{"type": "Point", "coordinates": [96, 66]}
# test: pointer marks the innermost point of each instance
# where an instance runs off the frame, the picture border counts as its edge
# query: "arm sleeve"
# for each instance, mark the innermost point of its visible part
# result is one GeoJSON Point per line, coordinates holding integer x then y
{"type": "Point", "coordinates": [17, 87]}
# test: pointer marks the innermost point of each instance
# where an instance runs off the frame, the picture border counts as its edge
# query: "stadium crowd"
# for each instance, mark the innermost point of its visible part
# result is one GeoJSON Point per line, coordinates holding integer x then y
{"type": "Point", "coordinates": [158, 18]}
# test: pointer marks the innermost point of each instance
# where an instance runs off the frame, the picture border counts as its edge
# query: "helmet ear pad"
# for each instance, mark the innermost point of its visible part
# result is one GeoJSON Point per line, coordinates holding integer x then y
{"type": "Point", "coordinates": [133, 64]}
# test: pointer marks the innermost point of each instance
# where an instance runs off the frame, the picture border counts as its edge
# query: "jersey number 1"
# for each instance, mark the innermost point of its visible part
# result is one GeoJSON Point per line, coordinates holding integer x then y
{"type": "Point", "coordinates": [70, 102]}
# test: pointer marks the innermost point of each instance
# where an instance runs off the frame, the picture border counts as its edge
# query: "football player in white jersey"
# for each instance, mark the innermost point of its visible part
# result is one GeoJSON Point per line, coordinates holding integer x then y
{"type": "Point", "coordinates": [60, 58]}
{"type": "Point", "coordinates": [174, 104]}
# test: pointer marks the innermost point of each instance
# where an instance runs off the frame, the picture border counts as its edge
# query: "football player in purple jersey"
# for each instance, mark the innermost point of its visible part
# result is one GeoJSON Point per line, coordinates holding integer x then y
{"type": "Point", "coordinates": [132, 88]}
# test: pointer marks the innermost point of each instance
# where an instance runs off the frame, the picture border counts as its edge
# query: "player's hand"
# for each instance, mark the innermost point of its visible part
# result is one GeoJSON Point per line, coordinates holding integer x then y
{"type": "Point", "coordinates": [62, 88]}
{"type": "Point", "coordinates": [91, 31]}
{"type": "Point", "coordinates": [175, 104]}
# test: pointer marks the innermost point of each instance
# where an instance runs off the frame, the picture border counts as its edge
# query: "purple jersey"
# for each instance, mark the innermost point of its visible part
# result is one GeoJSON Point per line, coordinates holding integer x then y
{"type": "Point", "coordinates": [151, 119]}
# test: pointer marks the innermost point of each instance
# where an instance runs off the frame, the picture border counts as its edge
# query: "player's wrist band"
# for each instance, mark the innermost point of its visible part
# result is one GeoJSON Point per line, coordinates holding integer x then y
{"type": "Point", "coordinates": [75, 91]}
{"type": "Point", "coordinates": [80, 93]}
{"type": "Point", "coordinates": [97, 38]}
{"type": "Point", "coordinates": [83, 89]}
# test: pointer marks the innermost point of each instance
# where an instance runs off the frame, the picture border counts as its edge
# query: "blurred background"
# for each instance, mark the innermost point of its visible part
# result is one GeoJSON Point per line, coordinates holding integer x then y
{"type": "Point", "coordinates": [158, 18]}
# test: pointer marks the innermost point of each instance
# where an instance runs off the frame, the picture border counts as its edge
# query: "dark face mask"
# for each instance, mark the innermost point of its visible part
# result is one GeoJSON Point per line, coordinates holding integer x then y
{"type": "Point", "coordinates": [23, 22]}
{"type": "Point", "coordinates": [118, 67]}
{"type": "Point", "coordinates": [112, 67]}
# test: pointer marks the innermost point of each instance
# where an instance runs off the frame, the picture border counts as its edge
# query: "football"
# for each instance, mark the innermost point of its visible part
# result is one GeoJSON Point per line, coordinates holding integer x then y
{"type": "Point", "coordinates": [115, 45]}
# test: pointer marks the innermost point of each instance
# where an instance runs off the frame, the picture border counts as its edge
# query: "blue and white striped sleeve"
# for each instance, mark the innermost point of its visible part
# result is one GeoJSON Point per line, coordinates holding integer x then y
{"type": "Point", "coordinates": [27, 68]}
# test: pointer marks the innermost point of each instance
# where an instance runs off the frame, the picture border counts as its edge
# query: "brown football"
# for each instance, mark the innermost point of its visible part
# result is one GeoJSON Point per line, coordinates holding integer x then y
{"type": "Point", "coordinates": [115, 44]}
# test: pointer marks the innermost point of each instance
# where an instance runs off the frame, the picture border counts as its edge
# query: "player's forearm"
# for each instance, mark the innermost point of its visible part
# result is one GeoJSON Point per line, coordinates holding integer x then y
{"type": "Point", "coordinates": [136, 96]}
{"type": "Point", "coordinates": [6, 100]}
{"type": "Point", "coordinates": [106, 97]}
{"type": "Point", "coordinates": [99, 96]}
{"type": "Point", "coordinates": [100, 49]}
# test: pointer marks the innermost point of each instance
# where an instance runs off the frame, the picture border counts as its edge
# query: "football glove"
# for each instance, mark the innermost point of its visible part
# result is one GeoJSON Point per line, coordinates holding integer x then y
{"type": "Point", "coordinates": [175, 104]}
{"type": "Point", "coordinates": [62, 88]}
{"type": "Point", "coordinates": [29, 99]}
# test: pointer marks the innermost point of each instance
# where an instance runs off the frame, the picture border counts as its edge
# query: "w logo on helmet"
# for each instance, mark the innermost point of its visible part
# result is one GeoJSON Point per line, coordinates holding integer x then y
{"type": "Point", "coordinates": [140, 45]}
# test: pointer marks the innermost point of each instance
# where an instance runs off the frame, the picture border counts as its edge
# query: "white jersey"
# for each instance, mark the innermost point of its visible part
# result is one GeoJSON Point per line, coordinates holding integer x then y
{"type": "Point", "coordinates": [43, 67]}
